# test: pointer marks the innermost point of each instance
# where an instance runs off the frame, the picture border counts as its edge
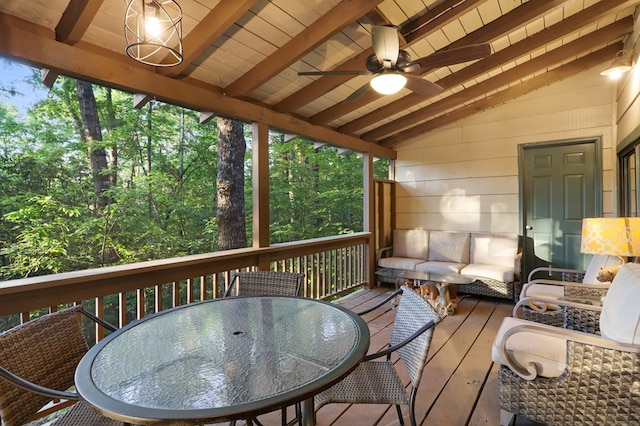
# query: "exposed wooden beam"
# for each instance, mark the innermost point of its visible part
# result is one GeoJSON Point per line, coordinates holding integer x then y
{"type": "Point", "coordinates": [444, 13]}
{"type": "Point", "coordinates": [211, 27]}
{"type": "Point", "coordinates": [516, 18]}
{"type": "Point", "coordinates": [535, 83]}
{"type": "Point", "coordinates": [140, 100]}
{"type": "Point", "coordinates": [38, 47]}
{"type": "Point", "coordinates": [48, 77]}
{"type": "Point", "coordinates": [345, 13]}
{"type": "Point", "coordinates": [511, 53]}
{"type": "Point", "coordinates": [547, 60]}
{"type": "Point", "coordinates": [76, 19]}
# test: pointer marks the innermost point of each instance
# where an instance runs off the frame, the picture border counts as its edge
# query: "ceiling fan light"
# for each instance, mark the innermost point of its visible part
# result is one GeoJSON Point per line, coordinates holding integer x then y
{"type": "Point", "coordinates": [153, 32]}
{"type": "Point", "coordinates": [388, 83]}
{"type": "Point", "coordinates": [620, 64]}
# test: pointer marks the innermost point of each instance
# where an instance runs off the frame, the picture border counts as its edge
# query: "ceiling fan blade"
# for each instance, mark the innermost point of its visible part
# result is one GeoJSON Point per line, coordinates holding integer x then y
{"type": "Point", "coordinates": [454, 56]}
{"type": "Point", "coordinates": [358, 93]}
{"type": "Point", "coordinates": [421, 86]}
{"type": "Point", "coordinates": [345, 72]}
{"type": "Point", "coordinates": [385, 44]}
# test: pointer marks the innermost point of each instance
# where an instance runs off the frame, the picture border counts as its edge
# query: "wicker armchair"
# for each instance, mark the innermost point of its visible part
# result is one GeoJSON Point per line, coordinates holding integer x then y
{"type": "Point", "coordinates": [377, 382]}
{"type": "Point", "coordinates": [261, 283]}
{"type": "Point", "coordinates": [557, 376]}
{"type": "Point", "coordinates": [37, 365]}
{"type": "Point", "coordinates": [575, 284]}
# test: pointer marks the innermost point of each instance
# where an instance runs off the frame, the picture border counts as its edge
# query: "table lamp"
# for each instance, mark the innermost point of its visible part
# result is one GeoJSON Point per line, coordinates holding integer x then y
{"type": "Point", "coordinates": [612, 236]}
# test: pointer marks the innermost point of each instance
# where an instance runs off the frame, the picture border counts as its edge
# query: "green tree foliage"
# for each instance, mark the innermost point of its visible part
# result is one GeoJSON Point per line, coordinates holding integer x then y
{"type": "Point", "coordinates": [162, 166]}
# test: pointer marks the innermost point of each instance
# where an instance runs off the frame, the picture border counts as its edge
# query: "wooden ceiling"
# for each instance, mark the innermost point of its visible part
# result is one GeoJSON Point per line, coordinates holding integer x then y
{"type": "Point", "coordinates": [242, 57]}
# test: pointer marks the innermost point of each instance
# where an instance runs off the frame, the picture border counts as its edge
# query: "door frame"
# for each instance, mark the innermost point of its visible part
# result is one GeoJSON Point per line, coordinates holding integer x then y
{"type": "Point", "coordinates": [598, 176]}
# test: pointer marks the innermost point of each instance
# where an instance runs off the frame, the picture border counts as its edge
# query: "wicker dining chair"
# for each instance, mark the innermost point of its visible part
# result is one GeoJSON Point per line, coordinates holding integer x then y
{"type": "Point", "coordinates": [38, 360]}
{"type": "Point", "coordinates": [377, 382]}
{"type": "Point", "coordinates": [265, 283]}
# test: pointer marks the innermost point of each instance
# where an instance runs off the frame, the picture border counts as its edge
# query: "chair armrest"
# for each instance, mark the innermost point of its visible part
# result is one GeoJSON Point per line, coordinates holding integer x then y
{"type": "Point", "coordinates": [549, 270]}
{"type": "Point", "coordinates": [100, 321]}
{"type": "Point", "coordinates": [540, 304]}
{"type": "Point", "coordinates": [383, 252]}
{"type": "Point", "coordinates": [32, 387]}
{"type": "Point", "coordinates": [530, 371]}
{"type": "Point", "coordinates": [564, 284]}
{"type": "Point", "coordinates": [389, 350]}
{"type": "Point", "coordinates": [379, 304]}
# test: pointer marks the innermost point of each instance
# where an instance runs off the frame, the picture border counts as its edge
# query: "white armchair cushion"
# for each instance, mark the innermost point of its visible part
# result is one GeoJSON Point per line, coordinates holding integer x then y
{"type": "Point", "coordinates": [620, 317]}
{"type": "Point", "coordinates": [411, 243]}
{"type": "Point", "coordinates": [440, 267]}
{"type": "Point", "coordinates": [549, 354]}
{"type": "Point", "coordinates": [598, 262]}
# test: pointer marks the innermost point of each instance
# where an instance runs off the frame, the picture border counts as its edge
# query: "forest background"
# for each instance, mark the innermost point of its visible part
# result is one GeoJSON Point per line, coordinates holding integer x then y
{"type": "Point", "coordinates": [142, 184]}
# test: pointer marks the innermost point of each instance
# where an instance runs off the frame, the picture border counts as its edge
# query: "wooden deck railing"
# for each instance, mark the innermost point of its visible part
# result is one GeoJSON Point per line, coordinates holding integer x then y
{"type": "Point", "coordinates": [120, 294]}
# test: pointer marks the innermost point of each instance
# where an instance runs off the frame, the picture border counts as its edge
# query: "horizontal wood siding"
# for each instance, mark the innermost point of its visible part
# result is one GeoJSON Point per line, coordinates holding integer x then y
{"type": "Point", "coordinates": [465, 176]}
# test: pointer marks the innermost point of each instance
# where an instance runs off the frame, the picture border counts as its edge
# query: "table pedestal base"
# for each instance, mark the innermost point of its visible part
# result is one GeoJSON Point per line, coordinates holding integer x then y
{"type": "Point", "coordinates": [442, 296]}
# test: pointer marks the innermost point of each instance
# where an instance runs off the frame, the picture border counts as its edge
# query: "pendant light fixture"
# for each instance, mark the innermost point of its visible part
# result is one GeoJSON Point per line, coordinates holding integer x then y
{"type": "Point", "coordinates": [153, 31]}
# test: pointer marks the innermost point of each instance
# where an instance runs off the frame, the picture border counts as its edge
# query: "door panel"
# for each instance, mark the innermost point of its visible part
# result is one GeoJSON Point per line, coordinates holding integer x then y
{"type": "Point", "coordinates": [560, 184]}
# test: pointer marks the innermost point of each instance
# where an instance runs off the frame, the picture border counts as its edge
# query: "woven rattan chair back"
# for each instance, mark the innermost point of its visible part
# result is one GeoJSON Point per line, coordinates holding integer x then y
{"type": "Point", "coordinates": [413, 312]}
{"type": "Point", "coordinates": [44, 351]}
{"type": "Point", "coordinates": [261, 283]}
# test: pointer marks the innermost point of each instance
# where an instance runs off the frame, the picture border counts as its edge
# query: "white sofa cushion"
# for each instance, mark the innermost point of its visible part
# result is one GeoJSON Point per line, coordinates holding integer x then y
{"type": "Point", "coordinates": [447, 246]}
{"type": "Point", "coordinates": [411, 243]}
{"type": "Point", "coordinates": [548, 353]}
{"type": "Point", "coordinates": [493, 249]}
{"type": "Point", "coordinates": [620, 316]}
{"type": "Point", "coordinates": [495, 272]}
{"type": "Point", "coordinates": [399, 262]}
{"type": "Point", "coordinates": [440, 267]}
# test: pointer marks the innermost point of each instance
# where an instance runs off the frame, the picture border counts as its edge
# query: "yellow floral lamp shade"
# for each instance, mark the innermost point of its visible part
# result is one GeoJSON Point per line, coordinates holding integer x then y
{"type": "Point", "coordinates": [614, 236]}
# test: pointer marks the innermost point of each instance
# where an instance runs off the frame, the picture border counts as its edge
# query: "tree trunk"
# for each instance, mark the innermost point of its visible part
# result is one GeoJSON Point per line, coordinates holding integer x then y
{"type": "Point", "coordinates": [93, 134]}
{"type": "Point", "coordinates": [232, 231]}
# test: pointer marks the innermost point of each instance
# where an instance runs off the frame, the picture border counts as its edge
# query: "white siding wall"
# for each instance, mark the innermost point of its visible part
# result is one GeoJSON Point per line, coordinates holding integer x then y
{"type": "Point", "coordinates": [465, 176]}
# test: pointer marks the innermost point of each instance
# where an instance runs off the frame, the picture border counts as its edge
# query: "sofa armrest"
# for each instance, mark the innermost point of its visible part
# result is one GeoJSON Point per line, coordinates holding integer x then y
{"type": "Point", "coordinates": [383, 252]}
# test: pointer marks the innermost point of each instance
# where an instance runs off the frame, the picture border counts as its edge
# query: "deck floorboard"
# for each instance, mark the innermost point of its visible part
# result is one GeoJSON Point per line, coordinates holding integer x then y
{"type": "Point", "coordinates": [459, 384]}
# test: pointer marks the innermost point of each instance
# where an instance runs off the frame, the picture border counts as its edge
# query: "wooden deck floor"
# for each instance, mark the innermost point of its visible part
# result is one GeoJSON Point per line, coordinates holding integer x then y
{"type": "Point", "coordinates": [459, 385]}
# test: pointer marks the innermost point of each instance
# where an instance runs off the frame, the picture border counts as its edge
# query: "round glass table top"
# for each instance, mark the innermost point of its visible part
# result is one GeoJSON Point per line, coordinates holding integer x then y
{"type": "Point", "coordinates": [221, 359]}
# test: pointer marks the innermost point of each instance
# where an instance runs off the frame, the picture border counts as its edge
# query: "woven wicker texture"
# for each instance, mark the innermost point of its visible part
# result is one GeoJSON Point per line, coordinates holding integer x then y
{"type": "Point", "coordinates": [570, 317]}
{"type": "Point", "coordinates": [600, 387]}
{"type": "Point", "coordinates": [44, 351]}
{"type": "Point", "coordinates": [377, 382]}
{"type": "Point", "coordinates": [489, 287]}
{"type": "Point", "coordinates": [259, 283]}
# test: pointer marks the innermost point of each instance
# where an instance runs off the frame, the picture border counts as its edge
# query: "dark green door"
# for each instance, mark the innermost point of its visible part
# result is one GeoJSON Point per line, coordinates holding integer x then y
{"type": "Point", "coordinates": [561, 184]}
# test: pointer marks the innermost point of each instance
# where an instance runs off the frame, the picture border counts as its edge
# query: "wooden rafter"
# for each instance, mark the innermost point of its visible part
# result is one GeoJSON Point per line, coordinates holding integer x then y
{"type": "Point", "coordinates": [511, 53]}
{"type": "Point", "coordinates": [321, 30]}
{"type": "Point", "coordinates": [212, 26]}
{"type": "Point", "coordinates": [76, 19]}
{"type": "Point", "coordinates": [528, 86]}
{"type": "Point", "coordinates": [547, 60]}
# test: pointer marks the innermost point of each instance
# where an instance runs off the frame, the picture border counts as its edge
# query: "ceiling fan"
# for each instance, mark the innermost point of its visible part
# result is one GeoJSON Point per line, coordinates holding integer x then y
{"type": "Point", "coordinates": [391, 66]}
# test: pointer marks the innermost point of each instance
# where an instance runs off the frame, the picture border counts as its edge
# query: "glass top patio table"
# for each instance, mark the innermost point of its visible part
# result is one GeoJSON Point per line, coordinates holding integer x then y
{"type": "Point", "coordinates": [222, 359]}
{"type": "Point", "coordinates": [390, 274]}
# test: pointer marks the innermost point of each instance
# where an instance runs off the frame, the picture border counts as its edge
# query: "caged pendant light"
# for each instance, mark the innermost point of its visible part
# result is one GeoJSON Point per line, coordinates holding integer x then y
{"type": "Point", "coordinates": [153, 32]}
